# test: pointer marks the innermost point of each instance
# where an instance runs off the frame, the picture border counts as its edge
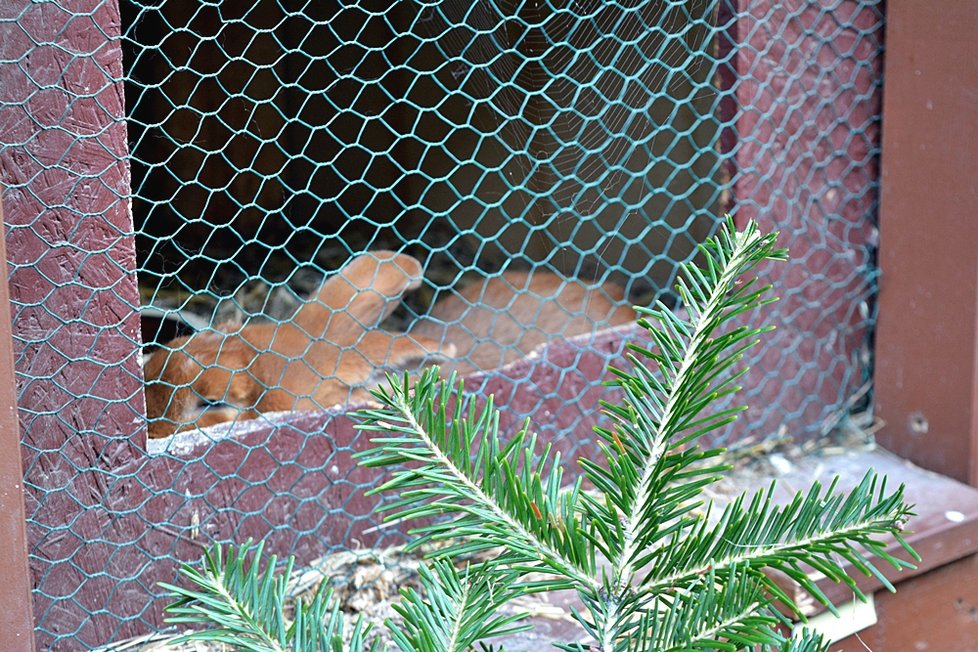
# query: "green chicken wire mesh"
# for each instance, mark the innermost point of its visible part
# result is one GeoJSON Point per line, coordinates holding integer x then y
{"type": "Point", "coordinates": [270, 143]}
{"type": "Point", "coordinates": [478, 139]}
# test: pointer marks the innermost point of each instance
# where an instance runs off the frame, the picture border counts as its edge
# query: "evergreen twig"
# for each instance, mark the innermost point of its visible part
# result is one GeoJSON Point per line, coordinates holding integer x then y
{"type": "Point", "coordinates": [653, 572]}
{"type": "Point", "coordinates": [244, 606]}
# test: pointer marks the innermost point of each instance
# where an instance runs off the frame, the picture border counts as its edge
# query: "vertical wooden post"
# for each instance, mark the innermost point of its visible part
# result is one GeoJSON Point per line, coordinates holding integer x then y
{"type": "Point", "coordinates": [926, 375]}
{"type": "Point", "coordinates": [74, 300]}
{"type": "Point", "coordinates": [16, 619]}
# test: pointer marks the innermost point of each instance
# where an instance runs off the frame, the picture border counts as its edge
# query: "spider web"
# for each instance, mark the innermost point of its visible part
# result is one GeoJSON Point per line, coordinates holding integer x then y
{"type": "Point", "coordinates": [570, 92]}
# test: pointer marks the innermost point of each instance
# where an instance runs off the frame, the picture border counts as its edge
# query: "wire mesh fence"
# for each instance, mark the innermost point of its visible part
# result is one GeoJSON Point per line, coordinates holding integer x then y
{"type": "Point", "coordinates": [537, 167]}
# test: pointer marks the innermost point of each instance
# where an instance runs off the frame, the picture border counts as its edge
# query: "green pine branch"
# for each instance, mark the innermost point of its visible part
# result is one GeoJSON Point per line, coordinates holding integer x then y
{"type": "Point", "coordinates": [502, 495]}
{"type": "Point", "coordinates": [711, 612]}
{"type": "Point", "coordinates": [454, 610]}
{"type": "Point", "coordinates": [815, 530]}
{"type": "Point", "coordinates": [660, 414]}
{"type": "Point", "coordinates": [638, 541]}
{"type": "Point", "coordinates": [805, 641]}
{"type": "Point", "coordinates": [244, 606]}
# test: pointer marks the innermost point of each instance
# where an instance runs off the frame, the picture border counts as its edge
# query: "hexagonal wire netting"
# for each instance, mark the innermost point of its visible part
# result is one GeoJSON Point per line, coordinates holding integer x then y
{"type": "Point", "coordinates": [270, 144]}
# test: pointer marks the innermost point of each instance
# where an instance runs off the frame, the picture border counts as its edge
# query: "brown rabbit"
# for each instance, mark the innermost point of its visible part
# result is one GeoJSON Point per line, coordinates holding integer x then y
{"type": "Point", "coordinates": [329, 352]}
{"type": "Point", "coordinates": [504, 318]}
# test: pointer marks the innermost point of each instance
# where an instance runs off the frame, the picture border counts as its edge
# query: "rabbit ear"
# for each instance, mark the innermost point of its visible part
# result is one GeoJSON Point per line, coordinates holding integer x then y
{"type": "Point", "coordinates": [359, 296]}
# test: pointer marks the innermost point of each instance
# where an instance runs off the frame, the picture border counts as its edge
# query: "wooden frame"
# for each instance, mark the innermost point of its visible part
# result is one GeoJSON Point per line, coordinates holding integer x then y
{"type": "Point", "coordinates": [927, 386]}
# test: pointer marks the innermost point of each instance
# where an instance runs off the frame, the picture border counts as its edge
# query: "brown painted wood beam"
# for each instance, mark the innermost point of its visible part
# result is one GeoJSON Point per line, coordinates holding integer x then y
{"type": "Point", "coordinates": [926, 377]}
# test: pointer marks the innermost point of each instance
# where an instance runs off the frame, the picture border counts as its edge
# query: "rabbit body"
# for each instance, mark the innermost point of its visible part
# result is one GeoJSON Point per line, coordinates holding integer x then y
{"type": "Point", "coordinates": [331, 351]}
{"type": "Point", "coordinates": [503, 318]}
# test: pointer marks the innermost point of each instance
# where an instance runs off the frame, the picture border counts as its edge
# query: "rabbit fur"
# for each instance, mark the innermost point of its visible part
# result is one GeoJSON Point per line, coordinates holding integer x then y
{"type": "Point", "coordinates": [331, 350]}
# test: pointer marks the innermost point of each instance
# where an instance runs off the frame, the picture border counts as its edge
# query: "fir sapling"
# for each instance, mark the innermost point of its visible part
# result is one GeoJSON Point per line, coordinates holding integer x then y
{"type": "Point", "coordinates": [652, 569]}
